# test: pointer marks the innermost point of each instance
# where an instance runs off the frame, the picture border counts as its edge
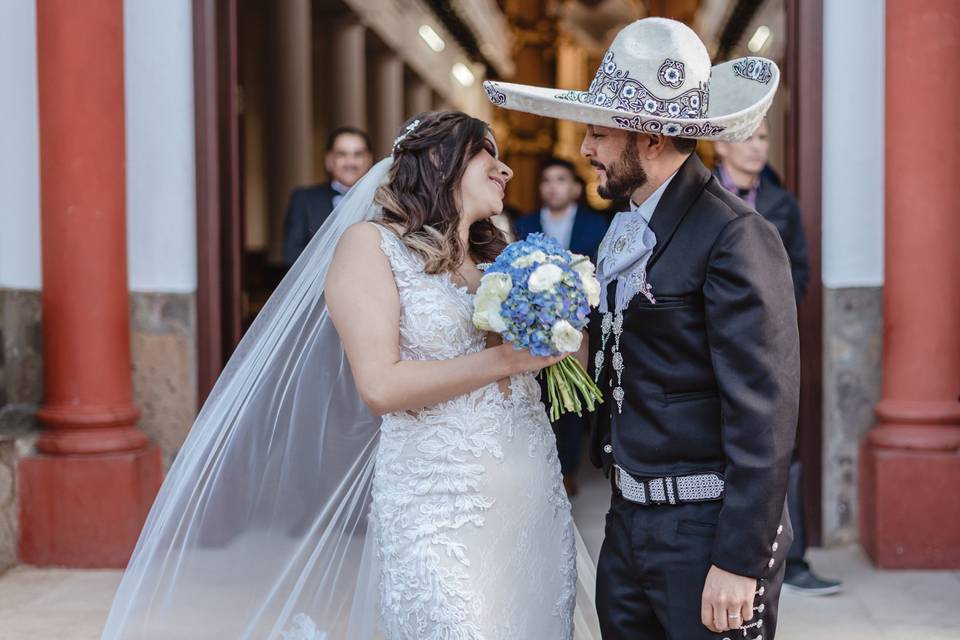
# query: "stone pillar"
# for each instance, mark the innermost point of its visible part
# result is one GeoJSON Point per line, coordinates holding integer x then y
{"type": "Point", "coordinates": [290, 112]}
{"type": "Point", "coordinates": [387, 102]}
{"type": "Point", "coordinates": [531, 137]}
{"type": "Point", "coordinates": [85, 494]}
{"type": "Point", "coordinates": [572, 73]}
{"type": "Point", "coordinates": [419, 97]}
{"type": "Point", "coordinates": [349, 90]}
{"type": "Point", "coordinates": [910, 465]}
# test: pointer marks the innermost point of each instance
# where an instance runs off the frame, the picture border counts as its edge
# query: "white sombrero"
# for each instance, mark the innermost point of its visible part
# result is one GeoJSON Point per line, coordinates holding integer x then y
{"type": "Point", "coordinates": [656, 77]}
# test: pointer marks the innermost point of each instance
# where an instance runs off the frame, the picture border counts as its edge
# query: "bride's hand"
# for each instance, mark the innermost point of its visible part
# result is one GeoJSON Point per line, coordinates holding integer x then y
{"type": "Point", "coordinates": [522, 361]}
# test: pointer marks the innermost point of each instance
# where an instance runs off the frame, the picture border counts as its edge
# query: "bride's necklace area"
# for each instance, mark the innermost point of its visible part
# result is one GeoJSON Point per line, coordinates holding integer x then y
{"type": "Point", "coordinates": [467, 275]}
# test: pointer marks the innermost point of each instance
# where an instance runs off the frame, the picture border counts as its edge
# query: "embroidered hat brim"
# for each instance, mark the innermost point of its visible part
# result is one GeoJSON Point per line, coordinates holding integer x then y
{"type": "Point", "coordinates": [740, 93]}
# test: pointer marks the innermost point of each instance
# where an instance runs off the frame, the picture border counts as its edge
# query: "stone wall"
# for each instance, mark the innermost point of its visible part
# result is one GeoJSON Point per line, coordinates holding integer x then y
{"type": "Point", "coordinates": [164, 354]}
{"type": "Point", "coordinates": [21, 361]}
{"type": "Point", "coordinates": [21, 391]}
{"type": "Point", "coordinates": [8, 503]}
{"type": "Point", "coordinates": [852, 343]}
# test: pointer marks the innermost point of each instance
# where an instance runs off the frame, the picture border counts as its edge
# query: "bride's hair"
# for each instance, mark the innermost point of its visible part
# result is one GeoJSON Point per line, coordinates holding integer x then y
{"type": "Point", "coordinates": [419, 198]}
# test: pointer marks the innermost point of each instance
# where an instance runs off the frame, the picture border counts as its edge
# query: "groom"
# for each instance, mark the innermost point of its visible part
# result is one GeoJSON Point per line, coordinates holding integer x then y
{"type": "Point", "coordinates": [696, 344]}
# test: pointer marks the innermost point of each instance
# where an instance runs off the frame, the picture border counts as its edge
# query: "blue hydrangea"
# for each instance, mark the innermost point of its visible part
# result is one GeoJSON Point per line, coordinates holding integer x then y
{"type": "Point", "coordinates": [529, 315]}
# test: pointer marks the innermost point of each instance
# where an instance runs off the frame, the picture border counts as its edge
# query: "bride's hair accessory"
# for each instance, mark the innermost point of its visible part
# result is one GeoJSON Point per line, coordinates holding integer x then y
{"type": "Point", "coordinates": [410, 128]}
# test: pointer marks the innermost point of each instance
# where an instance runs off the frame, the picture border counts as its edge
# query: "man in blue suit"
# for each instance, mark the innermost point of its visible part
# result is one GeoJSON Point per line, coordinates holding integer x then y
{"type": "Point", "coordinates": [580, 230]}
{"type": "Point", "coordinates": [562, 216]}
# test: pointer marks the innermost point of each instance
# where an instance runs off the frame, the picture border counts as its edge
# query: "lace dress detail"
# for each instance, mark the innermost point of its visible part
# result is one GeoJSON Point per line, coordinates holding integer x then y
{"type": "Point", "coordinates": [474, 532]}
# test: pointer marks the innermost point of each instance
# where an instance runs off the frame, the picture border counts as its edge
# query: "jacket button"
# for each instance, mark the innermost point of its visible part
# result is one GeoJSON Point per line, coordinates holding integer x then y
{"type": "Point", "coordinates": [771, 563]}
{"type": "Point", "coordinates": [779, 529]}
{"type": "Point", "coordinates": [608, 448]}
{"type": "Point", "coordinates": [776, 545]}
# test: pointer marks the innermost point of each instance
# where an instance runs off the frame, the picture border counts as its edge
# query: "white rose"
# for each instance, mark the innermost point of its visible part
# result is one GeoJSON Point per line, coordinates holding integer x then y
{"type": "Point", "coordinates": [544, 277]}
{"type": "Point", "coordinates": [496, 284]}
{"type": "Point", "coordinates": [565, 337]}
{"type": "Point", "coordinates": [583, 266]}
{"type": "Point", "coordinates": [496, 321]}
{"type": "Point", "coordinates": [486, 314]}
{"type": "Point", "coordinates": [531, 258]}
{"type": "Point", "coordinates": [591, 286]}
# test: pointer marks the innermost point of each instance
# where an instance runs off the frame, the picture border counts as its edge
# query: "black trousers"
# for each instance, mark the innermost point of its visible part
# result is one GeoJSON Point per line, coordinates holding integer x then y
{"type": "Point", "coordinates": [651, 572]}
{"type": "Point", "coordinates": [571, 430]}
{"type": "Point", "coordinates": [796, 556]}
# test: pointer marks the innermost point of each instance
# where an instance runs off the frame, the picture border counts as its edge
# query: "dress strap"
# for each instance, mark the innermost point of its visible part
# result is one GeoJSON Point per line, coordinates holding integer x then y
{"type": "Point", "coordinates": [402, 260]}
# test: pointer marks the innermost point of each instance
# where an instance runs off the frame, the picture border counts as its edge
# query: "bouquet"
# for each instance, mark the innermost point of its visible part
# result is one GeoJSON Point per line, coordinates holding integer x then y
{"type": "Point", "coordinates": [537, 296]}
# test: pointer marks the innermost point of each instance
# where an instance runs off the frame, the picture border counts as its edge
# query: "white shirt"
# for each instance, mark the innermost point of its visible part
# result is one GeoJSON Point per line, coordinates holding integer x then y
{"type": "Point", "coordinates": [560, 228]}
{"type": "Point", "coordinates": [648, 206]}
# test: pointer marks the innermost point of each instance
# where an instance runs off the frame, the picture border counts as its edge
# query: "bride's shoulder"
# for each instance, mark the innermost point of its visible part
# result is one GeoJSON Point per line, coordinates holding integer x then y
{"type": "Point", "coordinates": [360, 244]}
{"type": "Point", "coordinates": [373, 244]}
{"type": "Point", "coordinates": [362, 237]}
{"type": "Point", "coordinates": [368, 234]}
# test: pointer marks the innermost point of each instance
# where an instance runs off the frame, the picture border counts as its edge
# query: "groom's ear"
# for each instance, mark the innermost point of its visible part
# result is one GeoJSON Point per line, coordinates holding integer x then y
{"type": "Point", "coordinates": [653, 145]}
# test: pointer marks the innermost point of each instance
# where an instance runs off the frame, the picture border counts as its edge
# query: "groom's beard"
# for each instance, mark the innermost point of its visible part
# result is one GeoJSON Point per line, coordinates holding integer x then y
{"type": "Point", "coordinates": [623, 177]}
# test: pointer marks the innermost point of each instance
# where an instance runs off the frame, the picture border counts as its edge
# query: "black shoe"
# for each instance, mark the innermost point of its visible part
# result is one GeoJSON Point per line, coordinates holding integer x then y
{"type": "Point", "coordinates": [806, 583]}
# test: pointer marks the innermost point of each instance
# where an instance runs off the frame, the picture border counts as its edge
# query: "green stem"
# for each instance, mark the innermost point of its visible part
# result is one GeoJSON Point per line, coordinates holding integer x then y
{"type": "Point", "coordinates": [567, 384]}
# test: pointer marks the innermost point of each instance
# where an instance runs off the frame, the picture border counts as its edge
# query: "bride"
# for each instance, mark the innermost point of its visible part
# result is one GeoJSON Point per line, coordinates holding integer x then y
{"type": "Point", "coordinates": [371, 465]}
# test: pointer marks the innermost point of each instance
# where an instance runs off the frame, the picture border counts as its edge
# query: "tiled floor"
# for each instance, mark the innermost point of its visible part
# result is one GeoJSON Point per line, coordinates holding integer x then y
{"type": "Point", "coordinates": [58, 604]}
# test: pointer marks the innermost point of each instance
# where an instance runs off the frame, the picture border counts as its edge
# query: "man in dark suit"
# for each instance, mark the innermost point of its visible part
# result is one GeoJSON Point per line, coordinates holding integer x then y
{"type": "Point", "coordinates": [742, 169]}
{"type": "Point", "coordinates": [562, 215]}
{"type": "Point", "coordinates": [564, 218]}
{"type": "Point", "coordinates": [700, 368]}
{"type": "Point", "coordinates": [348, 158]}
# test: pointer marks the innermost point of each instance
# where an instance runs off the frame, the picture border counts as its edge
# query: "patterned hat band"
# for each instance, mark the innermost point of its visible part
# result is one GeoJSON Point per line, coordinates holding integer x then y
{"type": "Point", "coordinates": [613, 88]}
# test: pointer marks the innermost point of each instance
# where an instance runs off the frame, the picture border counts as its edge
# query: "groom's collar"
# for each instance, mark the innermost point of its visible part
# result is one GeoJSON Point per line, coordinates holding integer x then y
{"type": "Point", "coordinates": [681, 192]}
{"type": "Point", "coordinates": [648, 206]}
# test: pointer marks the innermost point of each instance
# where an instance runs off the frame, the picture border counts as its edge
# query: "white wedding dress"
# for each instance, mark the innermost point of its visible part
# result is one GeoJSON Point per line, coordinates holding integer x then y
{"type": "Point", "coordinates": [475, 536]}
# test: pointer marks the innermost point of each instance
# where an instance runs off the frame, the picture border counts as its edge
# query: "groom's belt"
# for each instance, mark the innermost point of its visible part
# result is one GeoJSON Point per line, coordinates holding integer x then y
{"type": "Point", "coordinates": [698, 487]}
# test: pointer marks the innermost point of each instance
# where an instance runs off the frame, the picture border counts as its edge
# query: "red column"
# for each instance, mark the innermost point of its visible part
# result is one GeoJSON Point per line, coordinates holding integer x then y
{"type": "Point", "coordinates": [84, 496]}
{"type": "Point", "coordinates": [910, 463]}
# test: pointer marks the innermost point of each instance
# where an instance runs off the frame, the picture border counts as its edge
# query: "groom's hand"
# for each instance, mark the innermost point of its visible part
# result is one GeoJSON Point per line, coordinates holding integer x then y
{"type": "Point", "coordinates": [727, 600]}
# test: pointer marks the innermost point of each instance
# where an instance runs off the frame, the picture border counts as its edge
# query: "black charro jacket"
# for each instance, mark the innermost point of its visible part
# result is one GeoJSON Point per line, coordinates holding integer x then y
{"type": "Point", "coordinates": [308, 209]}
{"type": "Point", "coordinates": [712, 369]}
